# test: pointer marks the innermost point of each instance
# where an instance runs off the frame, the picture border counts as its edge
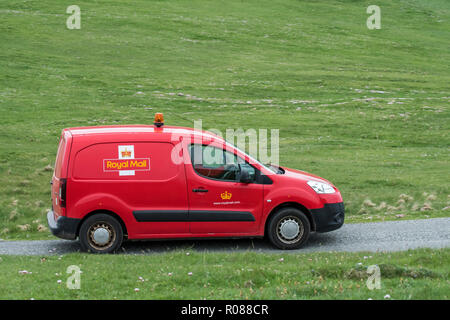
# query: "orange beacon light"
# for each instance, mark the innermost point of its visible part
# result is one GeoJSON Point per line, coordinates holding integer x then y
{"type": "Point", "coordinates": [159, 120]}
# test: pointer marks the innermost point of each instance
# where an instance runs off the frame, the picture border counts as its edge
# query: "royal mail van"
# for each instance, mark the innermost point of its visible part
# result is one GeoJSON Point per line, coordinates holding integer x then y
{"type": "Point", "coordinates": [113, 183]}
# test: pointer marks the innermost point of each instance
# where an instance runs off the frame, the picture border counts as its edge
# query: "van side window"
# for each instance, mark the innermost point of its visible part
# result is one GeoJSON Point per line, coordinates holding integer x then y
{"type": "Point", "coordinates": [215, 163]}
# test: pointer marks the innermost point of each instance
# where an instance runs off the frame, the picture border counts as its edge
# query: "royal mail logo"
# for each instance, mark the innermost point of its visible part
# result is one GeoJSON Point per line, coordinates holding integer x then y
{"type": "Point", "coordinates": [126, 164]}
{"type": "Point", "coordinates": [126, 154]}
{"type": "Point", "coordinates": [142, 164]}
{"type": "Point", "coordinates": [226, 195]}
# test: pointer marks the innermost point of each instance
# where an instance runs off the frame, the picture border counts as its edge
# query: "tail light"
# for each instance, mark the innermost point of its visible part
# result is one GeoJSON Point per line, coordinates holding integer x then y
{"type": "Point", "coordinates": [62, 192]}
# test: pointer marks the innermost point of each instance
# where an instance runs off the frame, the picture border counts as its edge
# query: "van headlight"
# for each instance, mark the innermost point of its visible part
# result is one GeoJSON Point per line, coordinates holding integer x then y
{"type": "Point", "coordinates": [320, 187]}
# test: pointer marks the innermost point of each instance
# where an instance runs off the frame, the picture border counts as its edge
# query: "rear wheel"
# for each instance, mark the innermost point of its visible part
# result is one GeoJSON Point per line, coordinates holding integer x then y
{"type": "Point", "coordinates": [101, 233]}
{"type": "Point", "coordinates": [289, 228]}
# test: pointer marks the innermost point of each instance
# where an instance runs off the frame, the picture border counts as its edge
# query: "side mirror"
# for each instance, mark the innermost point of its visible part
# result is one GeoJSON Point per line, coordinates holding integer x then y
{"type": "Point", "coordinates": [244, 175]}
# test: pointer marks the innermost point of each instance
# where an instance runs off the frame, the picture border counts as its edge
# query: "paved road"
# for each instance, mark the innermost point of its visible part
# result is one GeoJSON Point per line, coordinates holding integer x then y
{"type": "Point", "coordinates": [378, 236]}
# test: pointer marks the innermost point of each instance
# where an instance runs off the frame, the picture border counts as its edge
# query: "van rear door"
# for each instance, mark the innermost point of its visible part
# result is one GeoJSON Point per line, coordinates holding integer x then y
{"type": "Point", "coordinates": [59, 179]}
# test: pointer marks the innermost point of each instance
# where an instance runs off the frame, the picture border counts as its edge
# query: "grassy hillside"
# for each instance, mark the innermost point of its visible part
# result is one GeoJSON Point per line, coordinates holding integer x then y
{"type": "Point", "coordinates": [366, 109]}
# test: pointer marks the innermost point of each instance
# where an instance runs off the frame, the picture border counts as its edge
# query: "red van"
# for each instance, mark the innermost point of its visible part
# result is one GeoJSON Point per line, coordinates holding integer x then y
{"type": "Point", "coordinates": [112, 183]}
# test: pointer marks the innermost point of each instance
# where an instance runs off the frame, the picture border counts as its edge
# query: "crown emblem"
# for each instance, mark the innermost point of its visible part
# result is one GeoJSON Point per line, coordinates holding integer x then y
{"type": "Point", "coordinates": [226, 195]}
{"type": "Point", "coordinates": [126, 153]}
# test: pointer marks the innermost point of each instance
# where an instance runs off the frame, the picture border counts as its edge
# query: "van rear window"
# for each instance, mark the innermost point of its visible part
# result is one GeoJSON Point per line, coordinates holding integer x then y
{"type": "Point", "coordinates": [60, 157]}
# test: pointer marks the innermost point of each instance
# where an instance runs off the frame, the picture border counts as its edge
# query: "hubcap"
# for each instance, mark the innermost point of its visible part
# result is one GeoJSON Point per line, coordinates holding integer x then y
{"type": "Point", "coordinates": [101, 236]}
{"type": "Point", "coordinates": [290, 230]}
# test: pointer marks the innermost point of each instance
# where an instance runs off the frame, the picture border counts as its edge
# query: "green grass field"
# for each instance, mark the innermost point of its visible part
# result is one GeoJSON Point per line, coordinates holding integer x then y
{"type": "Point", "coordinates": [366, 109]}
{"type": "Point", "coordinates": [414, 274]}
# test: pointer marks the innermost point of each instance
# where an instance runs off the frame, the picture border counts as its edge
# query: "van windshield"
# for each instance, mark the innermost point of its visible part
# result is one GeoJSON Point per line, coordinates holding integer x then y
{"type": "Point", "coordinates": [59, 157]}
{"type": "Point", "coordinates": [270, 168]}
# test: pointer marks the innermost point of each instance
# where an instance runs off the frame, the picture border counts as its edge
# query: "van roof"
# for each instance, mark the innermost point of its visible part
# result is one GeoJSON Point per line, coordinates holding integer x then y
{"type": "Point", "coordinates": [165, 132]}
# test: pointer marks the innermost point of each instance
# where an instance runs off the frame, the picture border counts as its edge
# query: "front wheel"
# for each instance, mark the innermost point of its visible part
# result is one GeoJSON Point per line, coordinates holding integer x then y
{"type": "Point", "coordinates": [101, 233]}
{"type": "Point", "coordinates": [288, 228]}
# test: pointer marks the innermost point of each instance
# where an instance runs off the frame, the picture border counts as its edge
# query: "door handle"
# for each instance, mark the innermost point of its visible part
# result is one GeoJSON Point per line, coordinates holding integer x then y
{"type": "Point", "coordinates": [200, 190]}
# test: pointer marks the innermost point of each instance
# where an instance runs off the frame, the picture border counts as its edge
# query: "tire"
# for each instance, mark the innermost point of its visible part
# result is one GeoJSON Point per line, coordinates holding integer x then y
{"type": "Point", "coordinates": [295, 232]}
{"type": "Point", "coordinates": [101, 233]}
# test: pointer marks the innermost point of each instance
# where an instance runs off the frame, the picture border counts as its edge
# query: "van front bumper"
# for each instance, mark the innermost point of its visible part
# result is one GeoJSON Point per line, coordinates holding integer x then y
{"type": "Point", "coordinates": [328, 218]}
{"type": "Point", "coordinates": [63, 227]}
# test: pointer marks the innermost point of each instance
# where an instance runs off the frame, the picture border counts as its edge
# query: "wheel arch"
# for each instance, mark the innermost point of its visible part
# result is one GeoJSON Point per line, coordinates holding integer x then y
{"type": "Point", "coordinates": [296, 205]}
{"type": "Point", "coordinates": [108, 212]}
